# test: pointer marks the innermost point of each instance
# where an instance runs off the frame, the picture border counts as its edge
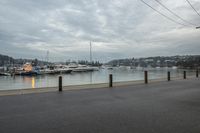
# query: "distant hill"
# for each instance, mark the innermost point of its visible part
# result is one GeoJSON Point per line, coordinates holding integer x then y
{"type": "Point", "coordinates": [8, 61]}
{"type": "Point", "coordinates": [186, 61]}
{"type": "Point", "coordinates": [4, 59]}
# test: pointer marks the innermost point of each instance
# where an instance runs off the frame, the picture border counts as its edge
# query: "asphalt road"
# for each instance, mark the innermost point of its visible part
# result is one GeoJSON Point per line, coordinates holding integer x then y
{"type": "Point", "coordinates": [164, 107]}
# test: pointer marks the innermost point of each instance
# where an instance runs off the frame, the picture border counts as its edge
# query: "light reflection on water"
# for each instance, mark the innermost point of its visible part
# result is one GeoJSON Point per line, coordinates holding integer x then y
{"type": "Point", "coordinates": [33, 82]}
{"type": "Point", "coordinates": [101, 76]}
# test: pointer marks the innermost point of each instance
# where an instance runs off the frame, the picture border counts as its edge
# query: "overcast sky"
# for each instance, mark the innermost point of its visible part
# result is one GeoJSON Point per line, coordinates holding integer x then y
{"type": "Point", "coordinates": [116, 28]}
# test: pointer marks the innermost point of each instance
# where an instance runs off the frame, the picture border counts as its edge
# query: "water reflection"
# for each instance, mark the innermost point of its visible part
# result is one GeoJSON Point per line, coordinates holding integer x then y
{"type": "Point", "coordinates": [27, 79]}
{"type": "Point", "coordinates": [90, 77]}
{"type": "Point", "coordinates": [33, 82]}
{"type": "Point", "coordinates": [30, 81]}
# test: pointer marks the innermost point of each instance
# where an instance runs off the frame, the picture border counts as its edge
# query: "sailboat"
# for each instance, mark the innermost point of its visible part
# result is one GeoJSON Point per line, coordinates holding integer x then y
{"type": "Point", "coordinates": [85, 68]}
{"type": "Point", "coordinates": [91, 68]}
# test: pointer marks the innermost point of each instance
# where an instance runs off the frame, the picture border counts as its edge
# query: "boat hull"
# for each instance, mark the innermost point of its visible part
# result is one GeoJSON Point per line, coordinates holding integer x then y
{"type": "Point", "coordinates": [28, 73]}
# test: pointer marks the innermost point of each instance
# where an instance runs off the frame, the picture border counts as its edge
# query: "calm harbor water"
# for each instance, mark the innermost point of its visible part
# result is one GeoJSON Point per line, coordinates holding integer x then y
{"type": "Point", "coordinates": [101, 76]}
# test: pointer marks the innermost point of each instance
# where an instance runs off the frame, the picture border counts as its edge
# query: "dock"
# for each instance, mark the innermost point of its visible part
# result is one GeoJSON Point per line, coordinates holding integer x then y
{"type": "Point", "coordinates": [158, 107]}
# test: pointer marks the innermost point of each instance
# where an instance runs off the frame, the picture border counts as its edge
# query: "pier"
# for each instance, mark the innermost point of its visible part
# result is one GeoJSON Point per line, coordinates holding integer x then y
{"type": "Point", "coordinates": [158, 107]}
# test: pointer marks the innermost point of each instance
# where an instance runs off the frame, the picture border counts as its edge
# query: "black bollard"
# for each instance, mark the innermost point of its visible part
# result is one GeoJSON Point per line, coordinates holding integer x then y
{"type": "Point", "coordinates": [146, 77]}
{"type": "Point", "coordinates": [184, 74]}
{"type": "Point", "coordinates": [168, 76]}
{"type": "Point", "coordinates": [60, 83]}
{"type": "Point", "coordinates": [197, 73]}
{"type": "Point", "coordinates": [110, 80]}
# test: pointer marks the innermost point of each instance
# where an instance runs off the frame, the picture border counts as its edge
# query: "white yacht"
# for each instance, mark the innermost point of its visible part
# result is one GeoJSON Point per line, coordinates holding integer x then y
{"type": "Point", "coordinates": [85, 68]}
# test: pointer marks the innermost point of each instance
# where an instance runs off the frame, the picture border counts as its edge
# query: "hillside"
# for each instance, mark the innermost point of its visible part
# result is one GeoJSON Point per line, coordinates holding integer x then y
{"type": "Point", "coordinates": [187, 61]}
{"type": "Point", "coordinates": [9, 61]}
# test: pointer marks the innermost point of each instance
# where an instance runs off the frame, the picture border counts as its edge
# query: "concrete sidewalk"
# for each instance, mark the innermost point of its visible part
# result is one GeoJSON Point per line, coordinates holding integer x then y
{"type": "Point", "coordinates": [160, 107]}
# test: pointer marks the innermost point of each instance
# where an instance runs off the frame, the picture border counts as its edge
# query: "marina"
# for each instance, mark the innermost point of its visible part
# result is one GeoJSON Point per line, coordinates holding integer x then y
{"type": "Point", "coordinates": [97, 66]}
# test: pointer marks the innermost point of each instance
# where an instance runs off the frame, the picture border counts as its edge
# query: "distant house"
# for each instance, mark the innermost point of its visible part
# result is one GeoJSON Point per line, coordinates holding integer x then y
{"type": "Point", "coordinates": [149, 60]}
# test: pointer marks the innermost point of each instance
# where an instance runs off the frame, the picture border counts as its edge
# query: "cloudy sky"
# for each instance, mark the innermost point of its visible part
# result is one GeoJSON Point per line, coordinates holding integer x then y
{"type": "Point", "coordinates": [116, 28]}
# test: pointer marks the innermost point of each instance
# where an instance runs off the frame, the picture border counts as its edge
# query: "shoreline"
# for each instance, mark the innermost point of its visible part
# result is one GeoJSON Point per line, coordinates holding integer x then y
{"type": "Point", "coordinates": [87, 86]}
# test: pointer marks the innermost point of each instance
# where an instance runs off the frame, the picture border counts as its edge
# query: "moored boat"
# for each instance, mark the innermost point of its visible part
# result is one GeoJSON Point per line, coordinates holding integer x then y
{"type": "Point", "coordinates": [30, 73]}
{"type": "Point", "coordinates": [4, 74]}
{"type": "Point", "coordinates": [85, 68]}
{"type": "Point", "coordinates": [28, 70]}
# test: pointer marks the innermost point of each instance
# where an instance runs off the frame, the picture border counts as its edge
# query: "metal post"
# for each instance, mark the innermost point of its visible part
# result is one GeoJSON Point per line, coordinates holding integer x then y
{"type": "Point", "coordinates": [146, 77]}
{"type": "Point", "coordinates": [110, 80]}
{"type": "Point", "coordinates": [60, 83]}
{"type": "Point", "coordinates": [168, 76]}
{"type": "Point", "coordinates": [197, 73]}
{"type": "Point", "coordinates": [184, 74]}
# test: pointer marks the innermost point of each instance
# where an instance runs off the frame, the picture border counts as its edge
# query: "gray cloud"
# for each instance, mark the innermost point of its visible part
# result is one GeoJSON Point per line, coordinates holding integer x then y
{"type": "Point", "coordinates": [117, 29]}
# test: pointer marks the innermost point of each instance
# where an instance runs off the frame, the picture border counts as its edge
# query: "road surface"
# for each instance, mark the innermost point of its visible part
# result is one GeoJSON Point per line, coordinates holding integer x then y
{"type": "Point", "coordinates": [163, 107]}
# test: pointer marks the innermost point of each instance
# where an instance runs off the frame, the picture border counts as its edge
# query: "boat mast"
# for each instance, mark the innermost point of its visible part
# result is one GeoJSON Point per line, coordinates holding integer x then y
{"type": "Point", "coordinates": [47, 57]}
{"type": "Point", "coordinates": [90, 53]}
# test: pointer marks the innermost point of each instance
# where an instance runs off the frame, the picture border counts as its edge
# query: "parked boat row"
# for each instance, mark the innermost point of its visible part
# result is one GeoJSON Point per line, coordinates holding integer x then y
{"type": "Point", "coordinates": [29, 70]}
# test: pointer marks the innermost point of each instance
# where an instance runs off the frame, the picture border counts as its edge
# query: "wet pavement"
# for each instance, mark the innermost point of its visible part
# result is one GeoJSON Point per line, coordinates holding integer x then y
{"type": "Point", "coordinates": [162, 107]}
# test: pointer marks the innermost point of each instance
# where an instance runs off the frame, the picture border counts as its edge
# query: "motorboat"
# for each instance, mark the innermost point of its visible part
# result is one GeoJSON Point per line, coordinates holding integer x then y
{"type": "Point", "coordinates": [28, 70]}
{"type": "Point", "coordinates": [63, 70]}
{"type": "Point", "coordinates": [4, 74]}
{"type": "Point", "coordinates": [85, 68]}
{"type": "Point", "coordinates": [30, 73]}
